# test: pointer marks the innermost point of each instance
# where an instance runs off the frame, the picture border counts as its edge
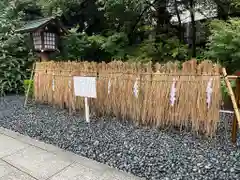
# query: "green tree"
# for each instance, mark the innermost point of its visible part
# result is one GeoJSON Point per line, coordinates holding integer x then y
{"type": "Point", "coordinates": [224, 43]}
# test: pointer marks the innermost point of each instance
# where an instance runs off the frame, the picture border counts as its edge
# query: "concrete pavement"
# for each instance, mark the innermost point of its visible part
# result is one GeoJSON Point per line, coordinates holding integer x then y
{"type": "Point", "coordinates": [23, 158]}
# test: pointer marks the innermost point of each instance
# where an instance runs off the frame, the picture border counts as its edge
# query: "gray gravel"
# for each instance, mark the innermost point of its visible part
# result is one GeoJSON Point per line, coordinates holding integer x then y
{"type": "Point", "coordinates": [150, 153]}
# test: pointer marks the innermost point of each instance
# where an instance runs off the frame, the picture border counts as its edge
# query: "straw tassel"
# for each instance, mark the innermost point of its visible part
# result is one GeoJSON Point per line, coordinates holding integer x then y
{"type": "Point", "coordinates": [173, 93]}
{"type": "Point", "coordinates": [209, 91]}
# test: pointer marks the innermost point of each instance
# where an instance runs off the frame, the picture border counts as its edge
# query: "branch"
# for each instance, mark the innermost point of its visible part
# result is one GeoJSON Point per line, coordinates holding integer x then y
{"type": "Point", "coordinates": [140, 16]}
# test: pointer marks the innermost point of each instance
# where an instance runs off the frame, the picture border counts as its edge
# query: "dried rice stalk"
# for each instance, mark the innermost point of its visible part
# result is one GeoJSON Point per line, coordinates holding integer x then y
{"type": "Point", "coordinates": [152, 106]}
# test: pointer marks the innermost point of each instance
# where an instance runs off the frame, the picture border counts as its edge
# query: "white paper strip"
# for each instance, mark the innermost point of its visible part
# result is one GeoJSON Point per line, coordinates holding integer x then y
{"type": "Point", "coordinates": [53, 85]}
{"type": "Point", "coordinates": [135, 88]}
{"type": "Point", "coordinates": [209, 91]}
{"type": "Point", "coordinates": [173, 93]}
{"type": "Point", "coordinates": [109, 86]}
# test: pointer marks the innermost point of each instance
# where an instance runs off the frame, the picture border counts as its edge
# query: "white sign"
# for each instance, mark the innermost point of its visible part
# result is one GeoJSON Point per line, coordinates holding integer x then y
{"type": "Point", "coordinates": [85, 86]}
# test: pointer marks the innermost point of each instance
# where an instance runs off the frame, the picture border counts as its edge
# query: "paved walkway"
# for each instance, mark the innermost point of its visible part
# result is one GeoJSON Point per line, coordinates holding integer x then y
{"type": "Point", "coordinates": [23, 158]}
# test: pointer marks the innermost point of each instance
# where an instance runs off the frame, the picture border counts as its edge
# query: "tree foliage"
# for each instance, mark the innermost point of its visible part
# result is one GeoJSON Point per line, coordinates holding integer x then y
{"type": "Point", "coordinates": [14, 54]}
{"type": "Point", "coordinates": [224, 43]}
{"type": "Point", "coordinates": [119, 29]}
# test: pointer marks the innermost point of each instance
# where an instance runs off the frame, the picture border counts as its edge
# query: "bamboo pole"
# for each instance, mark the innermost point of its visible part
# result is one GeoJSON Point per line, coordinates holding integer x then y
{"type": "Point", "coordinates": [231, 93]}
{"type": "Point", "coordinates": [26, 97]}
{"type": "Point", "coordinates": [235, 123]}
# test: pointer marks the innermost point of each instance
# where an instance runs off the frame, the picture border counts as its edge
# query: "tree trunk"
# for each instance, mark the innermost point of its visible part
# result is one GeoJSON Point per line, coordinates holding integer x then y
{"type": "Point", "coordinates": [180, 29]}
{"type": "Point", "coordinates": [162, 18]}
{"type": "Point", "coordinates": [193, 23]}
{"type": "Point", "coordinates": [223, 7]}
{"type": "Point", "coordinates": [130, 34]}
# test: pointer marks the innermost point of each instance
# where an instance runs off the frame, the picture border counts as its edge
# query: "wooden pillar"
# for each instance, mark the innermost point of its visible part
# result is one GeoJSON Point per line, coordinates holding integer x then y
{"type": "Point", "coordinates": [44, 56]}
{"type": "Point", "coordinates": [235, 122]}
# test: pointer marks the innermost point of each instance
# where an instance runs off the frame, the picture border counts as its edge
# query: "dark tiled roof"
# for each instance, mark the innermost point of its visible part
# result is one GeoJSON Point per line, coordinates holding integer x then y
{"type": "Point", "coordinates": [33, 25]}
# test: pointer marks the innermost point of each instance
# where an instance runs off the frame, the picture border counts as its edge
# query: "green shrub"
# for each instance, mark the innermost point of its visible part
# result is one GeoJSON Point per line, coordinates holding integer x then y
{"type": "Point", "coordinates": [224, 43]}
{"type": "Point", "coordinates": [15, 57]}
{"type": "Point", "coordinates": [170, 49]}
{"type": "Point", "coordinates": [96, 47]}
{"type": "Point", "coordinates": [224, 88]}
{"type": "Point", "coordinates": [26, 85]}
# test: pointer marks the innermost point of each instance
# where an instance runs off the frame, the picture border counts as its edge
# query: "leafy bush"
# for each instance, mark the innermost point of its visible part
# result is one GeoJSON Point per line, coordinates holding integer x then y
{"type": "Point", "coordinates": [26, 85]}
{"type": "Point", "coordinates": [115, 45]}
{"type": "Point", "coordinates": [163, 51]}
{"type": "Point", "coordinates": [224, 88]}
{"type": "Point", "coordinates": [14, 54]}
{"type": "Point", "coordinates": [224, 43]}
{"type": "Point", "coordinates": [95, 47]}
{"type": "Point", "coordinates": [12, 73]}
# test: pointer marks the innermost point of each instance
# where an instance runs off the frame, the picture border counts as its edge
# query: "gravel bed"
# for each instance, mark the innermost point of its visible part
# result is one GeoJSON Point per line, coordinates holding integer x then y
{"type": "Point", "coordinates": [142, 151]}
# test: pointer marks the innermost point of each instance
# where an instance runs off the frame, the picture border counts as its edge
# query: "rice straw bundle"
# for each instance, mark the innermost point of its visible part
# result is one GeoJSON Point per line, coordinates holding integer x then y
{"type": "Point", "coordinates": [91, 71]}
{"type": "Point", "coordinates": [158, 95]}
{"type": "Point", "coordinates": [65, 84]}
{"type": "Point", "coordinates": [213, 112]}
{"type": "Point", "coordinates": [184, 96]}
{"type": "Point", "coordinates": [101, 101]}
{"type": "Point", "coordinates": [48, 80]}
{"type": "Point", "coordinates": [44, 84]}
{"type": "Point", "coordinates": [171, 84]}
{"type": "Point", "coordinates": [75, 72]}
{"type": "Point", "coordinates": [117, 94]}
{"type": "Point", "coordinates": [138, 92]}
{"type": "Point", "coordinates": [123, 90]}
{"type": "Point", "coordinates": [134, 100]}
{"type": "Point", "coordinates": [202, 97]}
{"type": "Point", "coordinates": [70, 87]}
{"type": "Point", "coordinates": [209, 121]}
{"type": "Point", "coordinates": [59, 84]}
{"type": "Point", "coordinates": [79, 70]}
{"type": "Point", "coordinates": [145, 88]}
{"type": "Point", "coordinates": [194, 86]}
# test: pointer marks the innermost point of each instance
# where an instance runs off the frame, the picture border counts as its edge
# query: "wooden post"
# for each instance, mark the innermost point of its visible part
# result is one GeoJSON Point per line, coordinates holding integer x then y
{"type": "Point", "coordinates": [231, 93]}
{"type": "Point", "coordinates": [235, 106]}
{"type": "Point", "coordinates": [87, 110]}
{"type": "Point", "coordinates": [44, 56]}
{"type": "Point", "coordinates": [235, 123]}
{"type": "Point", "coordinates": [29, 85]}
